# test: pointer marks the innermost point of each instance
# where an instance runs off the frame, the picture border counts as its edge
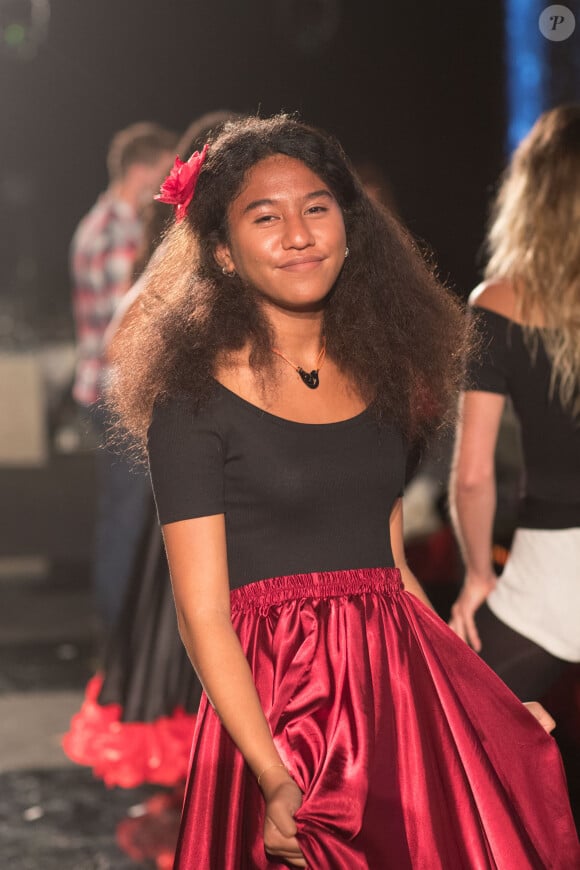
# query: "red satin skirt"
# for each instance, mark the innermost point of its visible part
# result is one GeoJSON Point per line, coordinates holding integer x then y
{"type": "Point", "coordinates": [409, 750]}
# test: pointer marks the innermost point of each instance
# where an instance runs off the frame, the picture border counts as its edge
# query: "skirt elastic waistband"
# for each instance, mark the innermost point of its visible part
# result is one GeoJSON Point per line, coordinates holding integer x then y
{"type": "Point", "coordinates": [319, 584]}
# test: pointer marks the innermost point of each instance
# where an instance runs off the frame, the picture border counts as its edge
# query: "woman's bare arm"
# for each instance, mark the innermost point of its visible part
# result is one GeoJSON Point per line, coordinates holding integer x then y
{"type": "Point", "coordinates": [472, 497]}
{"type": "Point", "coordinates": [196, 551]}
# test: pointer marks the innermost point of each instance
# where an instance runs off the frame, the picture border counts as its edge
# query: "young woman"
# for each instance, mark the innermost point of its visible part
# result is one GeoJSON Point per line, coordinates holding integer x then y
{"type": "Point", "coordinates": [525, 624]}
{"type": "Point", "coordinates": [290, 342]}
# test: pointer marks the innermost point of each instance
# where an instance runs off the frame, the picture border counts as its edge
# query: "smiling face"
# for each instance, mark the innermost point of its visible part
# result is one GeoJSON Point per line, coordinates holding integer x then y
{"type": "Point", "coordinates": [286, 235]}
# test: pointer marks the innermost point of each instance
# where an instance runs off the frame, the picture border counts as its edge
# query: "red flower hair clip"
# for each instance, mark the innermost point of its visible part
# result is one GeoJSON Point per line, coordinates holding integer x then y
{"type": "Point", "coordinates": [179, 186]}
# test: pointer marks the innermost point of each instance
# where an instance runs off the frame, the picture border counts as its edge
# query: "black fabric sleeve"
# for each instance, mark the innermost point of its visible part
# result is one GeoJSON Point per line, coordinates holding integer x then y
{"type": "Point", "coordinates": [186, 462]}
{"type": "Point", "coordinates": [487, 369]}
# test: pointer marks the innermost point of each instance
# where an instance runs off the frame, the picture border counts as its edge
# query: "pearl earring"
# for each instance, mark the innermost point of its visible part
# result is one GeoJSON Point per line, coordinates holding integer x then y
{"type": "Point", "coordinates": [346, 253]}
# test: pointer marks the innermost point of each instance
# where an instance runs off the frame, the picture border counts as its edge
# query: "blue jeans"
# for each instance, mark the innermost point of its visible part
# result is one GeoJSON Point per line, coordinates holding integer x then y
{"type": "Point", "coordinates": [123, 499]}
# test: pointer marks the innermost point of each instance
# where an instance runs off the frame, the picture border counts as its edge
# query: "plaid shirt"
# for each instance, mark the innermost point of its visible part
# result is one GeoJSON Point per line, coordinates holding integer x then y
{"type": "Point", "coordinates": [103, 252]}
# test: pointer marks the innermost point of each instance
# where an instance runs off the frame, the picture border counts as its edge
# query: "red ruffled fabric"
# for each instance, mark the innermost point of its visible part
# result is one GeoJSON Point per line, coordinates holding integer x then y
{"type": "Point", "coordinates": [152, 835]}
{"type": "Point", "coordinates": [129, 754]}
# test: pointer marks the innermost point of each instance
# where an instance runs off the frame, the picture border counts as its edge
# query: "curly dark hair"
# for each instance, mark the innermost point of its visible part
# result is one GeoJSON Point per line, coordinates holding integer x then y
{"type": "Point", "coordinates": [388, 321]}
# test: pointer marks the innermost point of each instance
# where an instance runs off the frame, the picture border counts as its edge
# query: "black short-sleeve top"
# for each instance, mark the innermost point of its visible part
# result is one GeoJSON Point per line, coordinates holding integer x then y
{"type": "Point", "coordinates": [550, 434]}
{"type": "Point", "coordinates": [297, 497]}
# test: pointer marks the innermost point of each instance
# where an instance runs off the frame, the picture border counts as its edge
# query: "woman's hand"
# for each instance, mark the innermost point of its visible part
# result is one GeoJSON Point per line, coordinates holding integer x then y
{"type": "Point", "coordinates": [283, 798]}
{"type": "Point", "coordinates": [542, 715]}
{"type": "Point", "coordinates": [474, 592]}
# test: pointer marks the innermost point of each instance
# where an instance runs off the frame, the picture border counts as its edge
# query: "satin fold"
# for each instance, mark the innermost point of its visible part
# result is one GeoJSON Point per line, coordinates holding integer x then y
{"type": "Point", "coordinates": [410, 751]}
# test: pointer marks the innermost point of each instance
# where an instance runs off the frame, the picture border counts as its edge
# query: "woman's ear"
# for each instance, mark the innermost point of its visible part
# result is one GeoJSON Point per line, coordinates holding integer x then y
{"type": "Point", "coordinates": [223, 258]}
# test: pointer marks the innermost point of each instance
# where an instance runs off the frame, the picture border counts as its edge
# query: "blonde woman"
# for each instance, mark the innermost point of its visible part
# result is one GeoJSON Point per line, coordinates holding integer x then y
{"type": "Point", "coordinates": [525, 623]}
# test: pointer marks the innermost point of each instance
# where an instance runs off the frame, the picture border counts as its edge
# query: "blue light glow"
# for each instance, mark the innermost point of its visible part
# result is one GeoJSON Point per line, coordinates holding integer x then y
{"type": "Point", "coordinates": [526, 67]}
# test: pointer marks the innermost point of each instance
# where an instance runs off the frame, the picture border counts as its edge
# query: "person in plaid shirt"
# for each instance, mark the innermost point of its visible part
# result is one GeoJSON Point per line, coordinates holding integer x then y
{"type": "Point", "coordinates": [103, 254]}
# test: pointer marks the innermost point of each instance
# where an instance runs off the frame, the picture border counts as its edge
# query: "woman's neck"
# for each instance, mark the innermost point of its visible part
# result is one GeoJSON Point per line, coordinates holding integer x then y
{"type": "Point", "coordinates": [298, 336]}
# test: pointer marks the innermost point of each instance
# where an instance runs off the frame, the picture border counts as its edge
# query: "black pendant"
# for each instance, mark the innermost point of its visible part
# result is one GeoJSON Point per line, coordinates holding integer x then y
{"type": "Point", "coordinates": [309, 378]}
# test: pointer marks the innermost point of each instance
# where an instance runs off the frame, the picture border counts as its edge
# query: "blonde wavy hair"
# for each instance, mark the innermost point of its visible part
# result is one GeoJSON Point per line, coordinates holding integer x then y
{"type": "Point", "coordinates": [534, 240]}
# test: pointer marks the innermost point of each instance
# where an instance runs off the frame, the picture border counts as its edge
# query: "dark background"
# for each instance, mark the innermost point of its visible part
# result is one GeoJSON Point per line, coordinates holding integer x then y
{"type": "Point", "coordinates": [418, 87]}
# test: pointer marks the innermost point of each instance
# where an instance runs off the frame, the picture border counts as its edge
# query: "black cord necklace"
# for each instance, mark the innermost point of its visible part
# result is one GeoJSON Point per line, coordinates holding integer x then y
{"type": "Point", "coordinates": [311, 379]}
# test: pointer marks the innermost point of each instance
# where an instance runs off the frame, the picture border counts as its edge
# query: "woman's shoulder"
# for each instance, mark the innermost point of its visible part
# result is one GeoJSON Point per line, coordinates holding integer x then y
{"type": "Point", "coordinates": [184, 409]}
{"type": "Point", "coordinates": [496, 295]}
{"type": "Point", "coordinates": [503, 298]}
{"type": "Point", "coordinates": [182, 427]}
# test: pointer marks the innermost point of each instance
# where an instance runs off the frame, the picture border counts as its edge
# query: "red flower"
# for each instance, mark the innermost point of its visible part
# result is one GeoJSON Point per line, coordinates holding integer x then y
{"type": "Point", "coordinates": [179, 186]}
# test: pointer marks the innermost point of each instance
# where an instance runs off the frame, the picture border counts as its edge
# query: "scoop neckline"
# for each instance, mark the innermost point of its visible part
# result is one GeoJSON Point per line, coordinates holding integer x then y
{"type": "Point", "coordinates": [284, 421]}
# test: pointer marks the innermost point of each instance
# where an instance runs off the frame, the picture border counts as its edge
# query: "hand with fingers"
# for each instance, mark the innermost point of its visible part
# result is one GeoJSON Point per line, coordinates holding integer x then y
{"type": "Point", "coordinates": [283, 798]}
{"type": "Point", "coordinates": [474, 592]}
